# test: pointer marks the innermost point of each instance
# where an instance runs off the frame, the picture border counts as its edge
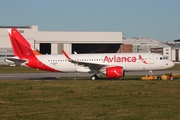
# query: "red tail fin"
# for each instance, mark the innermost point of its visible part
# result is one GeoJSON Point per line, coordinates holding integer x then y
{"type": "Point", "coordinates": [14, 45]}
{"type": "Point", "coordinates": [20, 45]}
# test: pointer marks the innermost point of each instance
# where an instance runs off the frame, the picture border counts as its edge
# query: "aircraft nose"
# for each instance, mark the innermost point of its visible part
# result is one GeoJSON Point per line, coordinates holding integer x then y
{"type": "Point", "coordinates": [171, 64]}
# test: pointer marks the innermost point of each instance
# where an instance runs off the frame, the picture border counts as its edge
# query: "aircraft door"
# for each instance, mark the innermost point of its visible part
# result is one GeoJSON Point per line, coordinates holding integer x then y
{"type": "Point", "coordinates": [151, 59]}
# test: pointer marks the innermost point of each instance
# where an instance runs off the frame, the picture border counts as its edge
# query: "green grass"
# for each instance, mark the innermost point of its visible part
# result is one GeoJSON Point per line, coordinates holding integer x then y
{"type": "Point", "coordinates": [86, 99]}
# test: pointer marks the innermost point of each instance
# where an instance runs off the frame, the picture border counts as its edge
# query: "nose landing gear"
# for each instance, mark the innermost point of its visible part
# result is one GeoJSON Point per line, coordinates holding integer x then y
{"type": "Point", "coordinates": [94, 77]}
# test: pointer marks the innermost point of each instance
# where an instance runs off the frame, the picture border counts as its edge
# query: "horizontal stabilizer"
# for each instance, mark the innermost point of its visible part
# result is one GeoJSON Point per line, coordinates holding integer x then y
{"type": "Point", "coordinates": [15, 60]}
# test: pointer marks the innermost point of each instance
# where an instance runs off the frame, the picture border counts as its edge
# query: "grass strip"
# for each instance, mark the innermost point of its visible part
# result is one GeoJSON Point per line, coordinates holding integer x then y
{"type": "Point", "coordinates": [86, 99]}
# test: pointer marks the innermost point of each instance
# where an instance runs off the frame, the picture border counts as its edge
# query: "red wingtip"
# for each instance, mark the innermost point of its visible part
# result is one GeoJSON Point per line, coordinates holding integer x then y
{"type": "Point", "coordinates": [66, 55]}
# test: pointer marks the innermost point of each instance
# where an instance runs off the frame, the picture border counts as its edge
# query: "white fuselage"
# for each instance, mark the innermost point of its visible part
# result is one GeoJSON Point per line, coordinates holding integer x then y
{"type": "Point", "coordinates": [129, 61]}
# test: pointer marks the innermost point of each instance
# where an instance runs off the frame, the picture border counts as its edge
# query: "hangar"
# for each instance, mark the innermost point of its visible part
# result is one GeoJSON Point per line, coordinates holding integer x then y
{"type": "Point", "coordinates": [52, 42]}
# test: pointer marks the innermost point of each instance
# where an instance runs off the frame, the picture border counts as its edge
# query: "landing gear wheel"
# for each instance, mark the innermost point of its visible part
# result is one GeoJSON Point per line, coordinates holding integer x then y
{"type": "Point", "coordinates": [94, 77]}
{"type": "Point", "coordinates": [159, 78]}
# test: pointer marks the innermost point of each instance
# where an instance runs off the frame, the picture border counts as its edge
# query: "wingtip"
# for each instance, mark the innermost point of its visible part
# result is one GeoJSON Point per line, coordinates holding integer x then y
{"type": "Point", "coordinates": [63, 51]}
{"type": "Point", "coordinates": [66, 55]}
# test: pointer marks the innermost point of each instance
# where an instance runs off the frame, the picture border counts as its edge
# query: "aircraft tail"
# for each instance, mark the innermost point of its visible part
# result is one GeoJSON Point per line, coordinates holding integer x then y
{"type": "Point", "coordinates": [20, 45]}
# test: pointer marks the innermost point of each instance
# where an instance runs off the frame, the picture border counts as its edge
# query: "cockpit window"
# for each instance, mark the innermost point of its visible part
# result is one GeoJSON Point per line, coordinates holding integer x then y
{"type": "Point", "coordinates": [165, 58]}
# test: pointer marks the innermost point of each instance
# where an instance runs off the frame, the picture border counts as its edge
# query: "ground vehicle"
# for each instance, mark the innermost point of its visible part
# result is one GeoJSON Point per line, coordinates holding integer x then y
{"type": "Point", "coordinates": [167, 76]}
{"type": "Point", "coordinates": [149, 77]}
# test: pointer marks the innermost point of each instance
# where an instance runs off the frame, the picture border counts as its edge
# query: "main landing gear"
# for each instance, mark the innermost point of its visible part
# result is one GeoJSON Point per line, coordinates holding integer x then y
{"type": "Point", "coordinates": [94, 77]}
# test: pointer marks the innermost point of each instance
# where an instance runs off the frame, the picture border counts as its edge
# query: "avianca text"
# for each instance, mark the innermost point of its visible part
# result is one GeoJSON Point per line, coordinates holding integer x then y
{"type": "Point", "coordinates": [119, 59]}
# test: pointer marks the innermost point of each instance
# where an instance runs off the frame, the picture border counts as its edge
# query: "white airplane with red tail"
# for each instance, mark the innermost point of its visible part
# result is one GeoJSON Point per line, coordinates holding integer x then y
{"type": "Point", "coordinates": [113, 65]}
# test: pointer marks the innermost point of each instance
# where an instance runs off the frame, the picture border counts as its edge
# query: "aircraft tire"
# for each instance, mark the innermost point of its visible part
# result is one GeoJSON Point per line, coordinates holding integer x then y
{"type": "Point", "coordinates": [159, 78]}
{"type": "Point", "coordinates": [94, 77]}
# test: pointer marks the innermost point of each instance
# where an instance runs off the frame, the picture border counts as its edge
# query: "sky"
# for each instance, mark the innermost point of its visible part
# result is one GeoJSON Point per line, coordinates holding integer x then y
{"type": "Point", "coordinates": [156, 19]}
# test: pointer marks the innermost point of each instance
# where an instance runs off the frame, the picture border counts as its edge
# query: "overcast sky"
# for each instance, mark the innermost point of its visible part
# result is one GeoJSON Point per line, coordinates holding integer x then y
{"type": "Point", "coordinates": [157, 19]}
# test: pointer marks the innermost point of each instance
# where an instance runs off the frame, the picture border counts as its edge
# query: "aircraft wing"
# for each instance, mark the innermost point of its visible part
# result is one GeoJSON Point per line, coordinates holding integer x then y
{"type": "Point", "coordinates": [92, 66]}
{"type": "Point", "coordinates": [15, 60]}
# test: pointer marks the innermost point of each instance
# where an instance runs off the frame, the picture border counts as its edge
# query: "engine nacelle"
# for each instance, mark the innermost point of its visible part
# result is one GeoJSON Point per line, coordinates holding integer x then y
{"type": "Point", "coordinates": [114, 72]}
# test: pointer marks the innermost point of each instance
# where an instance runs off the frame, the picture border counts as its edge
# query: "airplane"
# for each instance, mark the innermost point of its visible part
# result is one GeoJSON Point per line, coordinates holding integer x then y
{"type": "Point", "coordinates": [112, 65]}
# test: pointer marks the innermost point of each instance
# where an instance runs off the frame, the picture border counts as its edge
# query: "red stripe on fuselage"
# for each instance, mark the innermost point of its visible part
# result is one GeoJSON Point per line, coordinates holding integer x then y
{"type": "Point", "coordinates": [33, 62]}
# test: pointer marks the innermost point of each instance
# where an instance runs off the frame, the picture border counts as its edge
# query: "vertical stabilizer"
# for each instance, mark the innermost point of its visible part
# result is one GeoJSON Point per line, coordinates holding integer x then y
{"type": "Point", "coordinates": [20, 45]}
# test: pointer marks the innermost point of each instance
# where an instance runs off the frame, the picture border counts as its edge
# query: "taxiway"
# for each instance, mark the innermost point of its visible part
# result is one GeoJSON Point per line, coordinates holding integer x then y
{"type": "Point", "coordinates": [46, 76]}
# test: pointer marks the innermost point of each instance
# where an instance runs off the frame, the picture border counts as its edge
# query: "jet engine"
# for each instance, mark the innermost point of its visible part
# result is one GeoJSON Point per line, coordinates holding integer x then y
{"type": "Point", "coordinates": [114, 72]}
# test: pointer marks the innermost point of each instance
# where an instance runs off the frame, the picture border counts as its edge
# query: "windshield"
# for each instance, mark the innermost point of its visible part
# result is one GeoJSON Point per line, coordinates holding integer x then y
{"type": "Point", "coordinates": [164, 58]}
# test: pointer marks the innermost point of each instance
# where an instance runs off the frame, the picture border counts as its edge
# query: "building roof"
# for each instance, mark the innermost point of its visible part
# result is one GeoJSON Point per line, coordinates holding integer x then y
{"type": "Point", "coordinates": [144, 42]}
{"type": "Point", "coordinates": [4, 26]}
{"type": "Point", "coordinates": [174, 45]}
{"type": "Point", "coordinates": [139, 40]}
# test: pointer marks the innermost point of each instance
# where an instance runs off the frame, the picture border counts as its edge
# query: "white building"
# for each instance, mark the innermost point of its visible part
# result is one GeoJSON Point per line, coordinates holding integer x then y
{"type": "Point", "coordinates": [52, 42]}
{"type": "Point", "coordinates": [144, 45]}
{"type": "Point", "coordinates": [174, 51]}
